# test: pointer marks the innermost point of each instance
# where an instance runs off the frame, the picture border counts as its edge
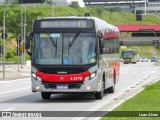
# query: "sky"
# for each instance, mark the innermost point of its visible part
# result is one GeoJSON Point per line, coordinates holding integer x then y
{"type": "Point", "coordinates": [80, 2]}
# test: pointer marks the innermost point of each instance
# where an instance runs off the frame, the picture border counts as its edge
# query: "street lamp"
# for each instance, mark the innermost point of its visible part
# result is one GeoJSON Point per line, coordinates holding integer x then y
{"type": "Point", "coordinates": [4, 33]}
{"type": "Point", "coordinates": [150, 30]}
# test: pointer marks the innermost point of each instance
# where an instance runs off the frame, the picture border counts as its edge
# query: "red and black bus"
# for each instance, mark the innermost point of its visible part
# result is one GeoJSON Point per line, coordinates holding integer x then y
{"type": "Point", "coordinates": [73, 55]}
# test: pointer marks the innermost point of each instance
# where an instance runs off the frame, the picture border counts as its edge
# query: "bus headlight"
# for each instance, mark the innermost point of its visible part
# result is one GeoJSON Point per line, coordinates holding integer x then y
{"type": "Point", "coordinates": [37, 78]}
{"type": "Point", "coordinates": [90, 77]}
{"type": "Point", "coordinates": [86, 79]}
{"type": "Point", "coordinates": [34, 75]}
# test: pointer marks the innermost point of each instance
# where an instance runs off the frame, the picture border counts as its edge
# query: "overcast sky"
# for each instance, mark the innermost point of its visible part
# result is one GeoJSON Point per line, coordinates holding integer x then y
{"type": "Point", "coordinates": [80, 2]}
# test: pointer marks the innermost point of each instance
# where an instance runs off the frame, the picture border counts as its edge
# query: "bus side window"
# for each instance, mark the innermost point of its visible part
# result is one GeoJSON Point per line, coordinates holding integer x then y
{"type": "Point", "coordinates": [107, 48]}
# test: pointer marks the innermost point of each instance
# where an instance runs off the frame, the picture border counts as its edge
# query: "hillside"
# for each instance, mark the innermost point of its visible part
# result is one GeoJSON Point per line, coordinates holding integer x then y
{"type": "Point", "coordinates": [112, 17]}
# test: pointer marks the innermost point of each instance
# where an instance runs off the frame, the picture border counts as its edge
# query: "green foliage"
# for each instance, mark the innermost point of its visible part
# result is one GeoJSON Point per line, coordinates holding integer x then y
{"type": "Point", "coordinates": [74, 4]}
{"type": "Point", "coordinates": [113, 9]}
{"type": "Point", "coordinates": [13, 20]}
{"type": "Point", "coordinates": [10, 53]}
{"type": "Point", "coordinates": [48, 2]}
{"type": "Point", "coordinates": [143, 51]}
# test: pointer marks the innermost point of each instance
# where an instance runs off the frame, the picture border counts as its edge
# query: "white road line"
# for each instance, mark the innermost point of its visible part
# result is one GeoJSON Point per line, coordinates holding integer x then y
{"type": "Point", "coordinates": [135, 68]}
{"type": "Point", "coordinates": [17, 80]}
{"type": "Point", "coordinates": [26, 74]}
{"type": "Point", "coordinates": [14, 90]}
{"type": "Point", "coordinates": [144, 72]}
{"type": "Point", "coordinates": [153, 71]}
{"type": "Point", "coordinates": [124, 72]}
{"type": "Point", "coordinates": [4, 81]}
{"type": "Point", "coordinates": [26, 70]}
{"type": "Point", "coordinates": [134, 72]}
{"type": "Point", "coordinates": [9, 109]}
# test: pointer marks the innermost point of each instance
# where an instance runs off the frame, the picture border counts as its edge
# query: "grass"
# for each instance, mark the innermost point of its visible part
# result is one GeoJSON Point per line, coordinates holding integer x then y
{"type": "Point", "coordinates": [147, 100]}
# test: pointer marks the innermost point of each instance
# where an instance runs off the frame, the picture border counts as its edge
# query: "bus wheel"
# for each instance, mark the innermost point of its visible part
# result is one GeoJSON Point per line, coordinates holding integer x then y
{"type": "Point", "coordinates": [112, 88]}
{"type": "Point", "coordinates": [99, 95]}
{"type": "Point", "coordinates": [45, 95]}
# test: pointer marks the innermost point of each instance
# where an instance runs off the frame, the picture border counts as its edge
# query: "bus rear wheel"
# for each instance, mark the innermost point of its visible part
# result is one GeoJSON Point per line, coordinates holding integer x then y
{"type": "Point", "coordinates": [112, 88]}
{"type": "Point", "coordinates": [46, 95]}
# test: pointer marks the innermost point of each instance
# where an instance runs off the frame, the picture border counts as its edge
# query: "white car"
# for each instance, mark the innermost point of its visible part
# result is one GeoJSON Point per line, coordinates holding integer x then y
{"type": "Point", "coordinates": [143, 59]}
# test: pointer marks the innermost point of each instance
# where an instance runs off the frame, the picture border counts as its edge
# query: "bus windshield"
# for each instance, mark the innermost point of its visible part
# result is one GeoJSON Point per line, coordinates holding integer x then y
{"type": "Point", "coordinates": [127, 54]}
{"type": "Point", "coordinates": [64, 48]}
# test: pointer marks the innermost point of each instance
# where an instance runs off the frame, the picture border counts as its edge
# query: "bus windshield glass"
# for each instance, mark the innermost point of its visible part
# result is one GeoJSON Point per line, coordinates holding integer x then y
{"type": "Point", "coordinates": [127, 54]}
{"type": "Point", "coordinates": [64, 48]}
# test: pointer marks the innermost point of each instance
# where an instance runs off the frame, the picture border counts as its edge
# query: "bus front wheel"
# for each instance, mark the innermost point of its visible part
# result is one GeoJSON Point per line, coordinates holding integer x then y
{"type": "Point", "coordinates": [46, 95]}
{"type": "Point", "coordinates": [99, 95]}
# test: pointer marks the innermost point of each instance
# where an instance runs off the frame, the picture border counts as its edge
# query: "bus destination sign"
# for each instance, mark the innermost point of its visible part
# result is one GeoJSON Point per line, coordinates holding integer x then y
{"type": "Point", "coordinates": [66, 24]}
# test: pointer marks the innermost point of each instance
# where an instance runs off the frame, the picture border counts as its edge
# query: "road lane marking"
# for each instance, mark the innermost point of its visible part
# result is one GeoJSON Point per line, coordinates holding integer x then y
{"type": "Point", "coordinates": [17, 80]}
{"type": "Point", "coordinates": [124, 72]}
{"type": "Point", "coordinates": [134, 72]}
{"type": "Point", "coordinates": [9, 109]}
{"type": "Point", "coordinates": [144, 72]}
{"type": "Point", "coordinates": [13, 90]}
{"type": "Point", "coordinates": [26, 74]}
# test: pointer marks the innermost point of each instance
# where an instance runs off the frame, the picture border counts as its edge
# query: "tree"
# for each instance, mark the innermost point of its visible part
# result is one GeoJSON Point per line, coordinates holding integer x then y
{"type": "Point", "coordinates": [49, 2]}
{"type": "Point", "coordinates": [74, 4]}
{"type": "Point", "coordinates": [13, 20]}
{"type": "Point", "coordinates": [112, 10]}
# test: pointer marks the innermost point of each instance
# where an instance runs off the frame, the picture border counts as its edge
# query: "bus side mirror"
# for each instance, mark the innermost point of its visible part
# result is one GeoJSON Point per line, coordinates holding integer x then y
{"type": "Point", "coordinates": [28, 39]}
{"type": "Point", "coordinates": [100, 35]}
{"type": "Point", "coordinates": [101, 44]}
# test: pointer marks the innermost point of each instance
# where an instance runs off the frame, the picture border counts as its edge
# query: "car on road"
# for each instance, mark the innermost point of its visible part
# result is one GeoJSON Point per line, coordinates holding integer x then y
{"type": "Point", "coordinates": [121, 59]}
{"type": "Point", "coordinates": [144, 59]}
{"type": "Point", "coordinates": [154, 59]}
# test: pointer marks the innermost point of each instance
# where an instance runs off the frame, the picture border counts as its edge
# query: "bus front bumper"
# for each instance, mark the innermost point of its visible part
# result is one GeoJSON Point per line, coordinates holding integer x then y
{"type": "Point", "coordinates": [93, 85]}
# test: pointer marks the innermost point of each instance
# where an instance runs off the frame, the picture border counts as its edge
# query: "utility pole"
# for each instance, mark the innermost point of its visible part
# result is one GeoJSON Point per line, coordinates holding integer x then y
{"type": "Point", "coordinates": [4, 33]}
{"type": "Point", "coordinates": [145, 7]}
{"type": "Point", "coordinates": [21, 56]}
{"type": "Point", "coordinates": [53, 8]}
{"type": "Point", "coordinates": [24, 33]}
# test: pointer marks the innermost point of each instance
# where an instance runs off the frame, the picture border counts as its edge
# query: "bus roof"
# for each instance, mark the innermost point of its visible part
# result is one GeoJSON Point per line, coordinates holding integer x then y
{"type": "Point", "coordinates": [99, 23]}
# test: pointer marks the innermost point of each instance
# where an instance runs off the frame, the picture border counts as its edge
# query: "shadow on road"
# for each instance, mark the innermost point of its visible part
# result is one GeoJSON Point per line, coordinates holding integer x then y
{"type": "Point", "coordinates": [55, 98]}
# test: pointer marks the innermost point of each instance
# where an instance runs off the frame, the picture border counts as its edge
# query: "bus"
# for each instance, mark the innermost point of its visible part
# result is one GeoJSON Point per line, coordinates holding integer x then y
{"type": "Point", "coordinates": [73, 55]}
{"type": "Point", "coordinates": [129, 56]}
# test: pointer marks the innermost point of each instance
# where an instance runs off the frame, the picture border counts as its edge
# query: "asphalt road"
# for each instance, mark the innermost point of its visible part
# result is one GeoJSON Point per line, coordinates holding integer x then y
{"type": "Point", "coordinates": [16, 95]}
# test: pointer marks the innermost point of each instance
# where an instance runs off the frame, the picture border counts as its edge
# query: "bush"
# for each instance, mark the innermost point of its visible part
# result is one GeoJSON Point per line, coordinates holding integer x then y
{"type": "Point", "coordinates": [10, 53]}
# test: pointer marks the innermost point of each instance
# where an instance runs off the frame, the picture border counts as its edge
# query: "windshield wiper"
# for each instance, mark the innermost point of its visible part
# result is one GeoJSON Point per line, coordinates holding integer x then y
{"type": "Point", "coordinates": [75, 37]}
{"type": "Point", "coordinates": [52, 40]}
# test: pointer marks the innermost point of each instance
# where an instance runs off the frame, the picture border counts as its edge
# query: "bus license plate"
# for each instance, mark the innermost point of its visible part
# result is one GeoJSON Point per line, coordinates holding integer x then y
{"type": "Point", "coordinates": [62, 87]}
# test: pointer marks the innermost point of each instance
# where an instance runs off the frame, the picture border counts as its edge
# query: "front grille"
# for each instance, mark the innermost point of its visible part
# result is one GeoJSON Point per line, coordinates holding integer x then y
{"type": "Point", "coordinates": [70, 85]}
{"type": "Point", "coordinates": [58, 71]}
